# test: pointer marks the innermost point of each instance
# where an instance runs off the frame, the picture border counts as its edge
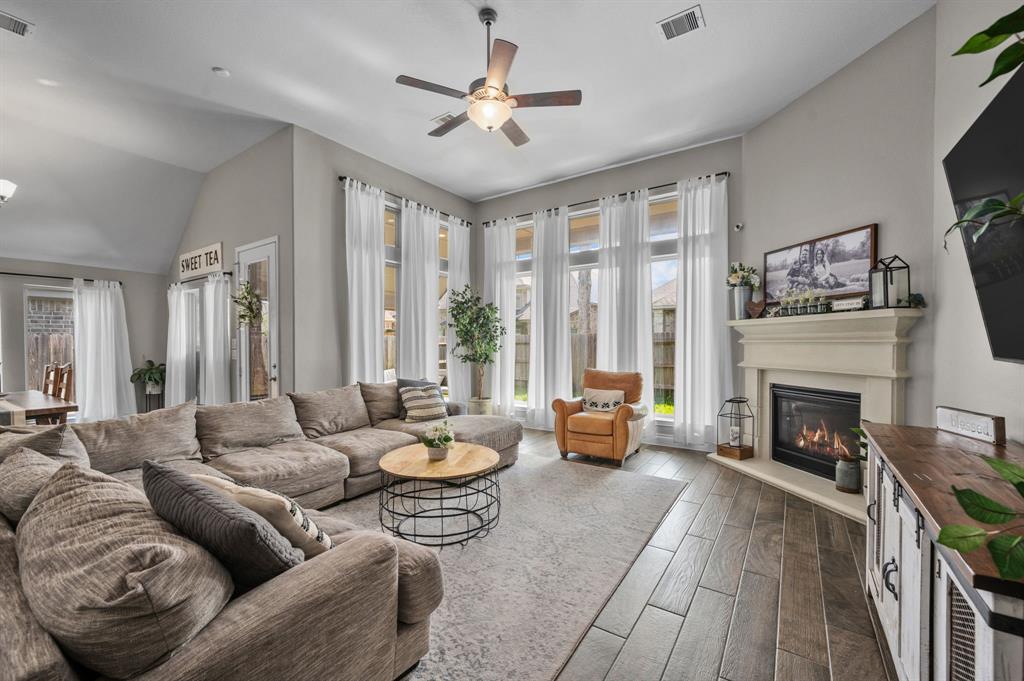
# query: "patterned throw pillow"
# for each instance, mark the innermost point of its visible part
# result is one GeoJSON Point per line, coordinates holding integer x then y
{"type": "Point", "coordinates": [283, 513]}
{"type": "Point", "coordinates": [422, 403]}
{"type": "Point", "coordinates": [602, 400]}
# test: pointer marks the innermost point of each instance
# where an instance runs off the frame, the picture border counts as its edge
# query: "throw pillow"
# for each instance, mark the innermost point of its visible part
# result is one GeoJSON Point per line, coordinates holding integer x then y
{"type": "Point", "coordinates": [422, 403]}
{"type": "Point", "coordinates": [410, 383]}
{"type": "Point", "coordinates": [327, 412]}
{"type": "Point", "coordinates": [287, 517]}
{"type": "Point", "coordinates": [246, 544]}
{"type": "Point", "coordinates": [22, 475]}
{"type": "Point", "coordinates": [382, 401]}
{"type": "Point", "coordinates": [117, 586]}
{"type": "Point", "coordinates": [57, 442]}
{"type": "Point", "coordinates": [602, 400]}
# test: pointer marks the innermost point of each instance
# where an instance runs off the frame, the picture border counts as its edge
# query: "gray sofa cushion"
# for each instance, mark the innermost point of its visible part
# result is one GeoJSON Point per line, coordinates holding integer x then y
{"type": "Point", "coordinates": [161, 435]}
{"type": "Point", "coordinates": [133, 476]}
{"type": "Point", "coordinates": [330, 411]}
{"type": "Point", "coordinates": [22, 475]}
{"type": "Point", "coordinates": [117, 586]}
{"type": "Point", "coordinates": [290, 468]}
{"type": "Point", "coordinates": [227, 428]}
{"type": "Point", "coordinates": [57, 442]}
{"type": "Point", "coordinates": [496, 432]}
{"type": "Point", "coordinates": [244, 542]}
{"type": "Point", "coordinates": [27, 652]}
{"type": "Point", "coordinates": [382, 401]}
{"type": "Point", "coordinates": [365, 446]}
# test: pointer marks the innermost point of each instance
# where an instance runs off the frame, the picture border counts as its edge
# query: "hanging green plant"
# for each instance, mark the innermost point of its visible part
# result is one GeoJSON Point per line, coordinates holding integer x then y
{"type": "Point", "coordinates": [250, 306]}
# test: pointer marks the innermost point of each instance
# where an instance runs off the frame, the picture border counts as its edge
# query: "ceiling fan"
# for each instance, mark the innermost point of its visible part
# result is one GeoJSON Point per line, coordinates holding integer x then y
{"type": "Point", "coordinates": [489, 103]}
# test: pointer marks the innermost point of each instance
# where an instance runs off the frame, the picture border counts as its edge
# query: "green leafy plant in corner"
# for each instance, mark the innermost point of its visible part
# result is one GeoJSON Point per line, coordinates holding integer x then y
{"type": "Point", "coordinates": [150, 372]}
{"type": "Point", "coordinates": [249, 304]}
{"type": "Point", "coordinates": [478, 332]}
{"type": "Point", "coordinates": [862, 445]}
{"type": "Point", "coordinates": [993, 210]}
{"type": "Point", "coordinates": [1005, 547]}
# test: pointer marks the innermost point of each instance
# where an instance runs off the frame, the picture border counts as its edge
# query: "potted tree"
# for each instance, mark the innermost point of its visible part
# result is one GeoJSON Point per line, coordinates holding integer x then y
{"type": "Point", "coordinates": [478, 333]}
{"type": "Point", "coordinates": [153, 375]}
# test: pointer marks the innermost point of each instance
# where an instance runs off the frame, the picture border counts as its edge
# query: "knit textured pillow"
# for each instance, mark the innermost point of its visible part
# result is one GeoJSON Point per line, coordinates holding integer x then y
{"type": "Point", "coordinates": [422, 403]}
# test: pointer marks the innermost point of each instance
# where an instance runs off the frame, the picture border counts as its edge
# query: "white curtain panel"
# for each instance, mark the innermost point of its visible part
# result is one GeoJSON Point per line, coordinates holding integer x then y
{"type": "Point", "coordinates": [703, 354]}
{"type": "Point", "coordinates": [363, 358]}
{"type": "Point", "coordinates": [624, 324]}
{"type": "Point", "coordinates": [550, 359]}
{"type": "Point", "coordinates": [103, 365]}
{"type": "Point", "coordinates": [183, 326]}
{"type": "Point", "coordinates": [215, 347]}
{"type": "Point", "coordinates": [459, 373]}
{"type": "Point", "coordinates": [500, 289]}
{"type": "Point", "coordinates": [417, 308]}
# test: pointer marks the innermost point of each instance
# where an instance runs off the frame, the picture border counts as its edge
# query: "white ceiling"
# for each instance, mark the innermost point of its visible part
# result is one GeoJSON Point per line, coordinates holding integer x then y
{"type": "Point", "coordinates": [135, 78]}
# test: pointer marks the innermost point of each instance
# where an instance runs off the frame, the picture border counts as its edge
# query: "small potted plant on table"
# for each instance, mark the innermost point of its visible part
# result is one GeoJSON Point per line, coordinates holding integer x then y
{"type": "Point", "coordinates": [438, 440]}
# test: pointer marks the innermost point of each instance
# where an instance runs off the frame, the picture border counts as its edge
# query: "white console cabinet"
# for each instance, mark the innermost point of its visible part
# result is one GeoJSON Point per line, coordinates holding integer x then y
{"type": "Point", "coordinates": [945, 617]}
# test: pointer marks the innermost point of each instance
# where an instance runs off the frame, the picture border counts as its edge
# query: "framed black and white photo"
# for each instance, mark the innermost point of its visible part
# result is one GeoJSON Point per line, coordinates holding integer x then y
{"type": "Point", "coordinates": [834, 266]}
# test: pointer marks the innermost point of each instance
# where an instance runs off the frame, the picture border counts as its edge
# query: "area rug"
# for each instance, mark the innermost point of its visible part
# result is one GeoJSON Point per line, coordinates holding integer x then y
{"type": "Point", "coordinates": [517, 601]}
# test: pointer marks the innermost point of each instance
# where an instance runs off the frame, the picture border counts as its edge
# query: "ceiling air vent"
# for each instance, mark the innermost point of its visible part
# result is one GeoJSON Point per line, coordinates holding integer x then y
{"type": "Point", "coordinates": [11, 23]}
{"type": "Point", "coordinates": [679, 24]}
{"type": "Point", "coordinates": [443, 118]}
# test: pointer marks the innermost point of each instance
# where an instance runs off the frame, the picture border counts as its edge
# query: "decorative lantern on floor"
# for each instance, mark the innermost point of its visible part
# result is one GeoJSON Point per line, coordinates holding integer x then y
{"type": "Point", "coordinates": [890, 283]}
{"type": "Point", "coordinates": [735, 422]}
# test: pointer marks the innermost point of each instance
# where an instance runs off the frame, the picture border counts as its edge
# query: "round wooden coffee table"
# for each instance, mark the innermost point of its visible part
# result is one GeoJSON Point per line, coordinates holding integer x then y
{"type": "Point", "coordinates": [440, 503]}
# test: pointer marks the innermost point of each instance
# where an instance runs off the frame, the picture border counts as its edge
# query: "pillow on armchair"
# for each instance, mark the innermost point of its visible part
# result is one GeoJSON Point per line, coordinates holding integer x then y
{"type": "Point", "coordinates": [595, 399]}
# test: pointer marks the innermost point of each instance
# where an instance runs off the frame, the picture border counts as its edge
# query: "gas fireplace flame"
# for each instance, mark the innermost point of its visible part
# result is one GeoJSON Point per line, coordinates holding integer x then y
{"type": "Point", "coordinates": [822, 442]}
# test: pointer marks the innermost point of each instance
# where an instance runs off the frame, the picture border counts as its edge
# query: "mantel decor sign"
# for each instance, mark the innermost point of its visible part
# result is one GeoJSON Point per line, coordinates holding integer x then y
{"type": "Point", "coordinates": [205, 260]}
{"type": "Point", "coordinates": [983, 427]}
{"type": "Point", "coordinates": [834, 266]}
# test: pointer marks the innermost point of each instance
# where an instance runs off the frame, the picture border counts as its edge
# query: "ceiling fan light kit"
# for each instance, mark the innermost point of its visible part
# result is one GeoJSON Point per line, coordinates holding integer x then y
{"type": "Point", "coordinates": [7, 189]}
{"type": "Point", "coordinates": [489, 104]}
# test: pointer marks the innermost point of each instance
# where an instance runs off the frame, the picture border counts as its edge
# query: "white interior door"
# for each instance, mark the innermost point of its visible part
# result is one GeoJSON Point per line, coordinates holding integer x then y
{"type": "Point", "coordinates": [256, 263]}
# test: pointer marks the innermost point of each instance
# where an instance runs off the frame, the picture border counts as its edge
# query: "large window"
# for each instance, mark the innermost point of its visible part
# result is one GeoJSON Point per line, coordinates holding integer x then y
{"type": "Point", "coordinates": [49, 332]}
{"type": "Point", "coordinates": [582, 324]}
{"type": "Point", "coordinates": [524, 289]}
{"type": "Point", "coordinates": [664, 221]}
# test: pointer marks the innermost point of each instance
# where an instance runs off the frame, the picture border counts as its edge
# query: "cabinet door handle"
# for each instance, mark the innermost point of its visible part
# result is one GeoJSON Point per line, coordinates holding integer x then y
{"type": "Point", "coordinates": [871, 517]}
{"type": "Point", "coordinates": [887, 571]}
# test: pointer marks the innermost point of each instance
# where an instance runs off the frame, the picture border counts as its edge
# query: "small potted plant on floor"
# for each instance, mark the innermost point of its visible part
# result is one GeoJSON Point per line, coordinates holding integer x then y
{"type": "Point", "coordinates": [153, 375]}
{"type": "Point", "coordinates": [478, 333]}
{"type": "Point", "coordinates": [438, 440]}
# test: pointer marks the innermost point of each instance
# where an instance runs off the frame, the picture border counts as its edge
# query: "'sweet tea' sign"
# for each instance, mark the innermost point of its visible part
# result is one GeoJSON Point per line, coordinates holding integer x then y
{"type": "Point", "coordinates": [205, 260]}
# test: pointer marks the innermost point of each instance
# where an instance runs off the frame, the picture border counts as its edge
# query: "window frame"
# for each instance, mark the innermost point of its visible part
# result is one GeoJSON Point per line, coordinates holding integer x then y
{"type": "Point", "coordinates": [39, 291]}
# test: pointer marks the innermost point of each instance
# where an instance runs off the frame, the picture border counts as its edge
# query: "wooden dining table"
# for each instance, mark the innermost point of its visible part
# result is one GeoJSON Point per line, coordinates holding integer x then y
{"type": "Point", "coordinates": [39, 406]}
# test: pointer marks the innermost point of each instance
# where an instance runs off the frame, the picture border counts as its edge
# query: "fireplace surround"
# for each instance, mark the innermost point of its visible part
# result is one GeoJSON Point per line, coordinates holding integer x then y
{"type": "Point", "coordinates": [811, 427]}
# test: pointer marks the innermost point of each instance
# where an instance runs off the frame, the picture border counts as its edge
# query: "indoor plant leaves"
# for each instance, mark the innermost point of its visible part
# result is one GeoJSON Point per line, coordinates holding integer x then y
{"type": "Point", "coordinates": [981, 508]}
{"type": "Point", "coordinates": [963, 538]}
{"type": "Point", "coordinates": [995, 35]}
{"type": "Point", "coordinates": [1008, 471]}
{"type": "Point", "coordinates": [1008, 553]}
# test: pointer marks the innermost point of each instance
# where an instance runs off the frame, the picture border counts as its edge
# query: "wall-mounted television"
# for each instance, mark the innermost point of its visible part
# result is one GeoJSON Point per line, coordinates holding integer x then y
{"type": "Point", "coordinates": [988, 161]}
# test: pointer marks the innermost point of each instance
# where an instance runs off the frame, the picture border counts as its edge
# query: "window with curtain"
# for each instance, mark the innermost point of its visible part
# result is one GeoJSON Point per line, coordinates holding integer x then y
{"type": "Point", "coordinates": [582, 323]}
{"type": "Point", "coordinates": [442, 310]}
{"type": "Point", "coordinates": [524, 278]}
{"type": "Point", "coordinates": [664, 221]}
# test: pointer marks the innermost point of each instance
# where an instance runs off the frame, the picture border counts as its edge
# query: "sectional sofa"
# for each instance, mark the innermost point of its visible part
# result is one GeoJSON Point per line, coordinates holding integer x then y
{"type": "Point", "coordinates": [360, 611]}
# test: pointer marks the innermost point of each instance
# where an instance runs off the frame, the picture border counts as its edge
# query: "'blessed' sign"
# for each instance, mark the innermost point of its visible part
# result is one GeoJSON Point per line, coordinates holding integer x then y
{"type": "Point", "coordinates": [205, 260]}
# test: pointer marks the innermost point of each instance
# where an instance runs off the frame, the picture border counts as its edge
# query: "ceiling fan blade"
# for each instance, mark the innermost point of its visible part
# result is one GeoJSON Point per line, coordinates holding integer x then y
{"type": "Point", "coordinates": [514, 133]}
{"type": "Point", "coordinates": [432, 87]}
{"type": "Point", "coordinates": [559, 98]}
{"type": "Point", "coordinates": [448, 126]}
{"type": "Point", "coordinates": [502, 54]}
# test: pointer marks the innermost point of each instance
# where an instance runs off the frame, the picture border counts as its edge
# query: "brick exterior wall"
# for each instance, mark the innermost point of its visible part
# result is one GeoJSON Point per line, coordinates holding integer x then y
{"type": "Point", "coordinates": [49, 315]}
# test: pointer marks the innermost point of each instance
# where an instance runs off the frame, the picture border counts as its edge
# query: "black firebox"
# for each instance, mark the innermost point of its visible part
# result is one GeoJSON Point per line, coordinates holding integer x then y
{"type": "Point", "coordinates": [811, 428]}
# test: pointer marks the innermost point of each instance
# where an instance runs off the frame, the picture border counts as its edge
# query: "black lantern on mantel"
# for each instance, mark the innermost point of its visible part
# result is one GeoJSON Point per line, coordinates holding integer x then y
{"type": "Point", "coordinates": [890, 283]}
{"type": "Point", "coordinates": [735, 421]}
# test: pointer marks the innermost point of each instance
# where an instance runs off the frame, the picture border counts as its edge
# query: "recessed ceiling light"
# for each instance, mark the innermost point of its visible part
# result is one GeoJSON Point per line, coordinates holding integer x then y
{"type": "Point", "coordinates": [221, 71]}
{"type": "Point", "coordinates": [47, 82]}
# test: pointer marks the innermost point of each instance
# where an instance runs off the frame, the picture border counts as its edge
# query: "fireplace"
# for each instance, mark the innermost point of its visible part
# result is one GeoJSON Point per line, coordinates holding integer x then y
{"type": "Point", "coordinates": [811, 427]}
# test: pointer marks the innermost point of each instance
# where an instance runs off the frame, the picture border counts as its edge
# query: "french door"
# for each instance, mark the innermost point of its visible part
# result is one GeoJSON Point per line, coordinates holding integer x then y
{"type": "Point", "coordinates": [256, 263]}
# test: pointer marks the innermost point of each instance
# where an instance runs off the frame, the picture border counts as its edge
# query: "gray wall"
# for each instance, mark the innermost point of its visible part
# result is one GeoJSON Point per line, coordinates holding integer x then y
{"type": "Point", "coordinates": [145, 299]}
{"type": "Point", "coordinates": [246, 199]}
{"type": "Point", "coordinates": [855, 150]}
{"type": "Point", "coordinates": [965, 373]}
{"type": "Point", "coordinates": [319, 254]}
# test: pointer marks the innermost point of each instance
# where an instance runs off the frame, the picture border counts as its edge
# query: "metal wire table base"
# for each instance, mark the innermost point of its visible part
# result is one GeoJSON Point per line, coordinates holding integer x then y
{"type": "Point", "coordinates": [440, 512]}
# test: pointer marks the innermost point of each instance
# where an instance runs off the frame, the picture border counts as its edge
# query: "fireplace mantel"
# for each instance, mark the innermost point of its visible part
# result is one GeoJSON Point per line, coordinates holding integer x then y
{"type": "Point", "coordinates": [863, 352]}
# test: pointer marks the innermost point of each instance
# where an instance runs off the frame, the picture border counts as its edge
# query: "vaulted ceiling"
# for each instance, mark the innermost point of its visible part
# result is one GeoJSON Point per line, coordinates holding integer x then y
{"type": "Point", "coordinates": [110, 159]}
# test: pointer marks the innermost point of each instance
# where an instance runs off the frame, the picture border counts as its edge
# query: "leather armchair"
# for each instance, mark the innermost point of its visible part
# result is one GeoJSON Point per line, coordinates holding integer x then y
{"type": "Point", "coordinates": [610, 435]}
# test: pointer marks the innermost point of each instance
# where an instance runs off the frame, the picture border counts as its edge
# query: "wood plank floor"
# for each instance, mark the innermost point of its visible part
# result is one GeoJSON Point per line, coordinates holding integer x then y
{"type": "Point", "coordinates": [740, 582]}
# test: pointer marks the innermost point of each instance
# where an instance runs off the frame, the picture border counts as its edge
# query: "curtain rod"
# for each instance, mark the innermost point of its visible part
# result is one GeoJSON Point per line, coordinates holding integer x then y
{"type": "Point", "coordinates": [200, 277]}
{"type": "Point", "coordinates": [724, 173]}
{"type": "Point", "coordinates": [50, 276]}
{"type": "Point", "coordinates": [342, 178]}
